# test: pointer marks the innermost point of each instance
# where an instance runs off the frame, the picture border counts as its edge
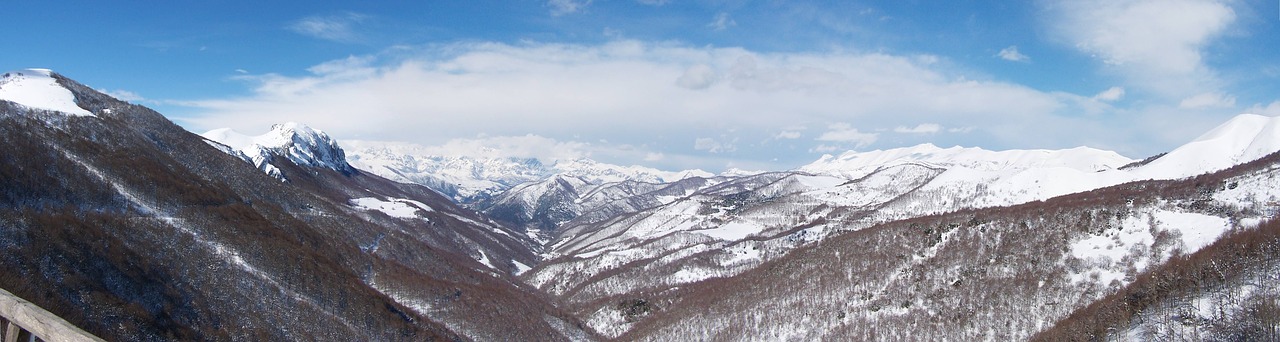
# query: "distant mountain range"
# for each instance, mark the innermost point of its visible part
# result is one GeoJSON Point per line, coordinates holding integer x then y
{"type": "Point", "coordinates": [128, 226]}
{"type": "Point", "coordinates": [470, 180]}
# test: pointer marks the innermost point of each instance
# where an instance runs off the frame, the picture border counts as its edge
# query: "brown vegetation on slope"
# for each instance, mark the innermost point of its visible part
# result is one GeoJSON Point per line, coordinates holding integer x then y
{"type": "Point", "coordinates": [1239, 254]}
{"type": "Point", "coordinates": [1001, 273]}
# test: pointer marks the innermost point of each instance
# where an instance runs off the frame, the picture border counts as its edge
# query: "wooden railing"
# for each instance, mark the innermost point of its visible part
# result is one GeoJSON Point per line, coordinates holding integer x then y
{"type": "Point", "coordinates": [22, 321]}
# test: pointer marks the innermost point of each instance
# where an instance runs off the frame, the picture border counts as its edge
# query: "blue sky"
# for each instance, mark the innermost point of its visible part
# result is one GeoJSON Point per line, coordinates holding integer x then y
{"type": "Point", "coordinates": [677, 84]}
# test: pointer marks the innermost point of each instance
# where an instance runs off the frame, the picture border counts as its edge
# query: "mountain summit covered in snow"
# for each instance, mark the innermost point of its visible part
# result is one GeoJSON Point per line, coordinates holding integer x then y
{"type": "Point", "coordinates": [293, 141]}
{"type": "Point", "coordinates": [37, 88]}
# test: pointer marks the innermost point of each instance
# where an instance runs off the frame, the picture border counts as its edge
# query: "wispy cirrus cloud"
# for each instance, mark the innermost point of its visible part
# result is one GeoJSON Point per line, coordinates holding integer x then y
{"type": "Point", "coordinates": [563, 7]}
{"type": "Point", "coordinates": [1208, 100]}
{"type": "Point", "coordinates": [924, 128]}
{"type": "Point", "coordinates": [1011, 54]}
{"type": "Point", "coordinates": [124, 95]}
{"type": "Point", "coordinates": [721, 22]}
{"type": "Point", "coordinates": [338, 27]}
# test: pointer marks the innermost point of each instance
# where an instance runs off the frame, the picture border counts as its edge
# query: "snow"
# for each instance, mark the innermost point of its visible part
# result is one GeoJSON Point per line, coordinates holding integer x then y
{"type": "Point", "coordinates": [976, 178]}
{"type": "Point", "coordinates": [592, 254]}
{"type": "Point", "coordinates": [396, 207]}
{"type": "Point", "coordinates": [1106, 254]}
{"type": "Point", "coordinates": [820, 182]}
{"type": "Point", "coordinates": [687, 275]}
{"type": "Point", "coordinates": [1239, 140]}
{"type": "Point", "coordinates": [732, 231]}
{"type": "Point", "coordinates": [1198, 230]}
{"type": "Point", "coordinates": [468, 178]}
{"type": "Point", "coordinates": [1114, 245]}
{"type": "Point", "coordinates": [854, 165]}
{"type": "Point", "coordinates": [36, 88]}
{"type": "Point", "coordinates": [520, 267]}
{"type": "Point", "coordinates": [742, 253]}
{"type": "Point", "coordinates": [484, 259]}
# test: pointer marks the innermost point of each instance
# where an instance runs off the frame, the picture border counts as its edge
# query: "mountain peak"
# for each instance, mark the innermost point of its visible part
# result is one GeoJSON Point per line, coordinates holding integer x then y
{"type": "Point", "coordinates": [1241, 139]}
{"type": "Point", "coordinates": [39, 89]}
{"type": "Point", "coordinates": [297, 142]}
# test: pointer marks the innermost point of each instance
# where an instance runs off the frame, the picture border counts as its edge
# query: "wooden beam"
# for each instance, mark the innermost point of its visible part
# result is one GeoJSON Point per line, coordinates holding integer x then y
{"type": "Point", "coordinates": [22, 315]}
{"type": "Point", "coordinates": [11, 332]}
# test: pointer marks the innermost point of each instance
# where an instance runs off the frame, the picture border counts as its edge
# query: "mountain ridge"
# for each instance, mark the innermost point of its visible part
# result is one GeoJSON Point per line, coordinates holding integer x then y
{"type": "Point", "coordinates": [471, 180]}
{"type": "Point", "coordinates": [296, 142]}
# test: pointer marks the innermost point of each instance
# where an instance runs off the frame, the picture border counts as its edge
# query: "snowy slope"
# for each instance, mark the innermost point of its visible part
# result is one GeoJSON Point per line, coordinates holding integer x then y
{"type": "Point", "coordinates": [725, 229]}
{"type": "Point", "coordinates": [293, 141]}
{"type": "Point", "coordinates": [1242, 139]}
{"type": "Point", "coordinates": [975, 178]}
{"type": "Point", "coordinates": [857, 164]}
{"type": "Point", "coordinates": [909, 182]}
{"type": "Point", "coordinates": [36, 88]}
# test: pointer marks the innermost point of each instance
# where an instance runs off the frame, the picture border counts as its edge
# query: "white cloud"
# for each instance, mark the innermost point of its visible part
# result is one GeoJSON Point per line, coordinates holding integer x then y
{"type": "Point", "coordinates": [1011, 54]}
{"type": "Point", "coordinates": [523, 146]}
{"type": "Point", "coordinates": [713, 145]}
{"type": "Point", "coordinates": [1109, 95]}
{"type": "Point", "coordinates": [924, 128]}
{"type": "Point", "coordinates": [628, 92]}
{"type": "Point", "coordinates": [787, 135]}
{"type": "Point", "coordinates": [352, 66]}
{"type": "Point", "coordinates": [721, 22]}
{"type": "Point", "coordinates": [698, 76]}
{"type": "Point", "coordinates": [124, 95]}
{"type": "Point", "coordinates": [1272, 109]}
{"type": "Point", "coordinates": [562, 7]}
{"type": "Point", "coordinates": [824, 148]}
{"type": "Point", "coordinates": [1157, 44]}
{"type": "Point", "coordinates": [843, 132]}
{"type": "Point", "coordinates": [1208, 100]}
{"type": "Point", "coordinates": [654, 156]}
{"type": "Point", "coordinates": [337, 28]}
{"type": "Point", "coordinates": [654, 2]}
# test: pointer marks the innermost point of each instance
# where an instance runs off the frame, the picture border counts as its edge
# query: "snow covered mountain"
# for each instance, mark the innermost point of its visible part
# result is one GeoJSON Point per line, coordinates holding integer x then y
{"type": "Point", "coordinates": [543, 207]}
{"type": "Point", "coordinates": [470, 180]}
{"type": "Point", "coordinates": [1244, 138]}
{"type": "Point", "coordinates": [854, 165]}
{"type": "Point", "coordinates": [730, 227]}
{"type": "Point", "coordinates": [132, 228]}
{"type": "Point", "coordinates": [296, 142]}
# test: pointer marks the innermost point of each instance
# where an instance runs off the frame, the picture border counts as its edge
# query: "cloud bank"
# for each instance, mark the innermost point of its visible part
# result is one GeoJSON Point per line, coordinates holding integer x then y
{"type": "Point", "coordinates": [645, 100]}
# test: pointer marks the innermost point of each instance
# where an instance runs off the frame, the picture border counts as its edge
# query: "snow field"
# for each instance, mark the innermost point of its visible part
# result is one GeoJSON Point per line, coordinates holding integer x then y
{"type": "Point", "coordinates": [36, 88]}
{"type": "Point", "coordinates": [396, 207]}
